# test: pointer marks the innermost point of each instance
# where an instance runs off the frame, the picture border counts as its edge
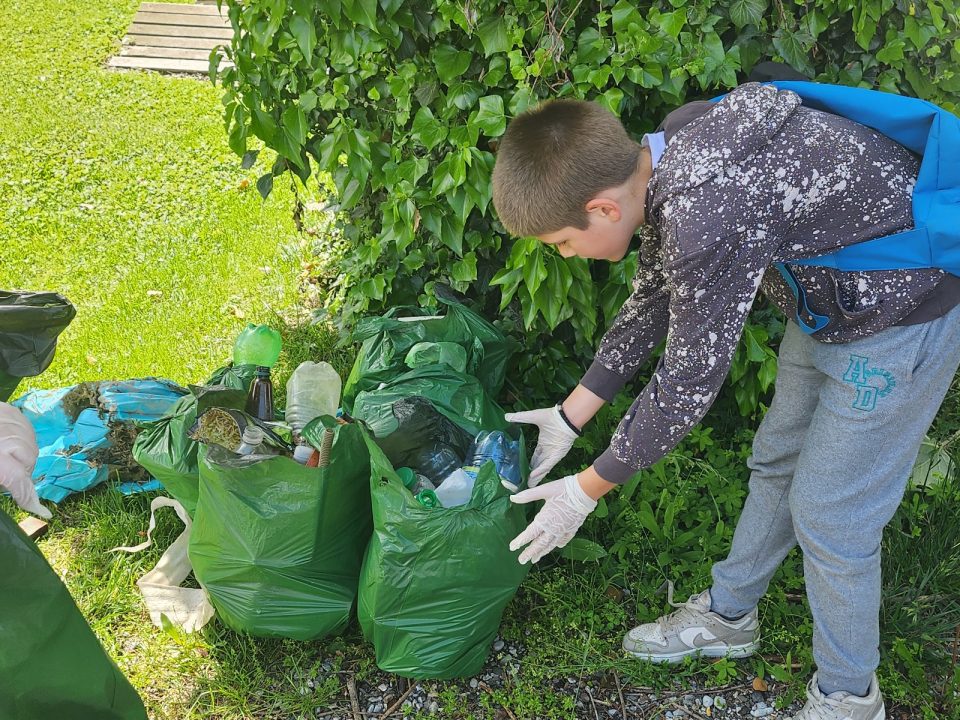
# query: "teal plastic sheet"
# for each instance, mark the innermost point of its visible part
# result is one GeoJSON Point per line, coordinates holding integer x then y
{"type": "Point", "coordinates": [72, 450]}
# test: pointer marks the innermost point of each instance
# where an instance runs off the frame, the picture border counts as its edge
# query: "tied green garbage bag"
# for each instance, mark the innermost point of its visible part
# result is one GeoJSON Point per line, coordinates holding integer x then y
{"type": "Point", "coordinates": [164, 448]}
{"type": "Point", "coordinates": [440, 353]}
{"type": "Point", "coordinates": [51, 663]}
{"type": "Point", "coordinates": [30, 323]}
{"type": "Point", "coordinates": [278, 545]}
{"type": "Point", "coordinates": [435, 581]}
{"type": "Point", "coordinates": [459, 397]}
{"type": "Point", "coordinates": [387, 341]}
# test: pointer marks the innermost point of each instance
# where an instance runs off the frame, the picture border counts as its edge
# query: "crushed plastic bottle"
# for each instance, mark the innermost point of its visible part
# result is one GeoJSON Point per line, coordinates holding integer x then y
{"type": "Point", "coordinates": [504, 452]}
{"type": "Point", "coordinates": [436, 461]}
{"type": "Point", "coordinates": [312, 390]}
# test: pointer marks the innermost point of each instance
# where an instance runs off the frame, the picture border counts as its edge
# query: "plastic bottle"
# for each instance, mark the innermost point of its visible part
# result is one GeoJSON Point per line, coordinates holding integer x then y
{"type": "Point", "coordinates": [312, 390]}
{"type": "Point", "coordinates": [257, 345]}
{"type": "Point", "coordinates": [436, 461]}
{"type": "Point", "coordinates": [260, 399]}
{"type": "Point", "coordinates": [504, 452]}
{"type": "Point", "coordinates": [251, 440]}
{"type": "Point", "coordinates": [455, 489]}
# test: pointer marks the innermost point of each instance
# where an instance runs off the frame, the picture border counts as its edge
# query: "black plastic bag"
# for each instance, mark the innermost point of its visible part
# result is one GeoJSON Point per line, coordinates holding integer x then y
{"type": "Point", "coordinates": [30, 323]}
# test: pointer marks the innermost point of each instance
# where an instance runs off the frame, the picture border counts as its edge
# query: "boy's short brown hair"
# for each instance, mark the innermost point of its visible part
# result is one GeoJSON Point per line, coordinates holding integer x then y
{"type": "Point", "coordinates": [554, 159]}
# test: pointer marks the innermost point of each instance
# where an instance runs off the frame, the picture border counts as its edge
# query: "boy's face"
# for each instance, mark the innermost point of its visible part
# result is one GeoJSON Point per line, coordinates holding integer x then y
{"type": "Point", "coordinates": [607, 237]}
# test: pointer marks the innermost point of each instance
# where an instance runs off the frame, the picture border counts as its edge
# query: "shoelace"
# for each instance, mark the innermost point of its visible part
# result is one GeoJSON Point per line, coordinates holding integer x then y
{"type": "Point", "coordinates": [685, 611]}
{"type": "Point", "coordinates": [827, 705]}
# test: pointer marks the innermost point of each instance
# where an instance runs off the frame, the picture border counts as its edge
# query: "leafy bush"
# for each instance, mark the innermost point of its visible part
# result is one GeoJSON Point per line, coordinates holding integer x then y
{"type": "Point", "coordinates": [402, 102]}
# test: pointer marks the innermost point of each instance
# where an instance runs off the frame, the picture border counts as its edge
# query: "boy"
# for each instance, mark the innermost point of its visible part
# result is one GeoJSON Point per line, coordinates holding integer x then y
{"type": "Point", "coordinates": [729, 189]}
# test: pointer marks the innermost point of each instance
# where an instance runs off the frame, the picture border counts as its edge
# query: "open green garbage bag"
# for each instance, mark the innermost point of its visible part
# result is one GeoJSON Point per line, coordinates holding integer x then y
{"type": "Point", "coordinates": [51, 663]}
{"type": "Point", "coordinates": [387, 340]}
{"type": "Point", "coordinates": [30, 323]}
{"type": "Point", "coordinates": [163, 446]}
{"type": "Point", "coordinates": [278, 545]}
{"type": "Point", "coordinates": [435, 581]}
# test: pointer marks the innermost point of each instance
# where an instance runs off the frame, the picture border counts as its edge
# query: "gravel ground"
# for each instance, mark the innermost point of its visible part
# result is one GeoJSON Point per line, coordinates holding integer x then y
{"type": "Point", "coordinates": [597, 697]}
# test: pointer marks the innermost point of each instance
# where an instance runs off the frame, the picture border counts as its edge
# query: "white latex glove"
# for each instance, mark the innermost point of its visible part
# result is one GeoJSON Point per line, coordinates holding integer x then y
{"type": "Point", "coordinates": [564, 511]}
{"type": "Point", "coordinates": [556, 439]}
{"type": "Point", "coordinates": [18, 456]}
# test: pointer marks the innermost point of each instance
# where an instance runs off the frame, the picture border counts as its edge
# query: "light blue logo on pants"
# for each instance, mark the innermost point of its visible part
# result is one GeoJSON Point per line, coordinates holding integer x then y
{"type": "Point", "coordinates": [865, 378]}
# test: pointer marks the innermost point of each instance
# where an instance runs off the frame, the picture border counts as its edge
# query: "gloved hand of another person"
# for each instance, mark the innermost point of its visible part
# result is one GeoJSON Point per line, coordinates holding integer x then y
{"type": "Point", "coordinates": [18, 456]}
{"type": "Point", "coordinates": [556, 439]}
{"type": "Point", "coordinates": [564, 511]}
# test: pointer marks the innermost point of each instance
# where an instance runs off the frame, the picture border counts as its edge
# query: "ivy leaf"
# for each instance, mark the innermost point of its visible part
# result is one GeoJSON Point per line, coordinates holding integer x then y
{"type": "Point", "coordinates": [295, 123]}
{"type": "Point", "coordinates": [534, 271]}
{"type": "Point", "coordinates": [672, 22]}
{"type": "Point", "coordinates": [794, 47]}
{"type": "Point", "coordinates": [463, 95]}
{"type": "Point", "coordinates": [306, 35]}
{"type": "Point", "coordinates": [493, 35]}
{"type": "Point", "coordinates": [362, 12]}
{"type": "Point", "coordinates": [611, 99]}
{"type": "Point", "coordinates": [249, 158]}
{"type": "Point", "coordinates": [892, 52]}
{"type": "Point", "coordinates": [747, 12]}
{"type": "Point", "coordinates": [308, 101]}
{"type": "Point", "coordinates": [490, 116]}
{"type": "Point", "coordinates": [265, 185]}
{"type": "Point", "coordinates": [465, 270]}
{"type": "Point", "coordinates": [427, 129]}
{"type": "Point", "coordinates": [450, 62]}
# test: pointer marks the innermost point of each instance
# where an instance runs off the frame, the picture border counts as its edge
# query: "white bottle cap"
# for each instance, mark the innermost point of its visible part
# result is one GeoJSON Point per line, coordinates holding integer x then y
{"type": "Point", "coordinates": [302, 453]}
{"type": "Point", "coordinates": [252, 435]}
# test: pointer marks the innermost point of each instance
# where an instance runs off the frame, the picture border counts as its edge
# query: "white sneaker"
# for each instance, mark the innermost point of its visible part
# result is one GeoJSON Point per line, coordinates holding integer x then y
{"type": "Point", "coordinates": [842, 705]}
{"type": "Point", "coordinates": [693, 630]}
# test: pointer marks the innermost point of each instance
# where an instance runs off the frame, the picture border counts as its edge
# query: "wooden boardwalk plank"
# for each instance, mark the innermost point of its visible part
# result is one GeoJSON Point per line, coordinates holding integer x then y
{"type": "Point", "coordinates": [180, 31]}
{"type": "Point", "coordinates": [165, 52]}
{"type": "Point", "coordinates": [191, 20]}
{"type": "Point", "coordinates": [180, 8]}
{"type": "Point", "coordinates": [161, 64]}
{"type": "Point", "coordinates": [176, 42]}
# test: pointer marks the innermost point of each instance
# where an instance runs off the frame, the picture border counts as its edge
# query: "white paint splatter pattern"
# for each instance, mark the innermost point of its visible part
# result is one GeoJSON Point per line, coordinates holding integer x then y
{"type": "Point", "coordinates": [792, 183]}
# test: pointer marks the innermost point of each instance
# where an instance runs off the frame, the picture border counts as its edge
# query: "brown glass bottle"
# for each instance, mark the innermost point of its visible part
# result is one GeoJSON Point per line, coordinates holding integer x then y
{"type": "Point", "coordinates": [260, 400]}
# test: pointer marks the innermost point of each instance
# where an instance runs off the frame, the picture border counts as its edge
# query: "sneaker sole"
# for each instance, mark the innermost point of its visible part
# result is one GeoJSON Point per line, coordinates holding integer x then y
{"type": "Point", "coordinates": [716, 651]}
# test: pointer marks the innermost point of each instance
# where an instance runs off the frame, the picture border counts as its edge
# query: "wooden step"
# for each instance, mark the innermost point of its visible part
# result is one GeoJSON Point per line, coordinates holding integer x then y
{"type": "Point", "coordinates": [171, 65]}
{"type": "Point", "coordinates": [174, 42]}
{"type": "Point", "coordinates": [180, 31]}
{"type": "Point", "coordinates": [181, 8]}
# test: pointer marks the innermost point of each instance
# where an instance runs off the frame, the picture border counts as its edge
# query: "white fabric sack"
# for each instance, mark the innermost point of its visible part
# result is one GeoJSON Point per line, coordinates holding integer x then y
{"type": "Point", "coordinates": [186, 608]}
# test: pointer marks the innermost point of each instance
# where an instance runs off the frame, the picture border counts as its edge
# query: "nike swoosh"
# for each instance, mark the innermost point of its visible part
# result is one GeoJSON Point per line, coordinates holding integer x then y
{"type": "Point", "coordinates": [696, 638]}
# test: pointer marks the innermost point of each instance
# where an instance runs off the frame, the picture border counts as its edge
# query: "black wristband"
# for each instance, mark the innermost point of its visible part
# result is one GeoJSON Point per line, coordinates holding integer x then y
{"type": "Point", "coordinates": [570, 425]}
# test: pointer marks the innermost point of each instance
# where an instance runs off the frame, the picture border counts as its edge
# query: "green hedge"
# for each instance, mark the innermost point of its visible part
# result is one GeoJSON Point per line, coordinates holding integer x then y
{"type": "Point", "coordinates": [402, 102]}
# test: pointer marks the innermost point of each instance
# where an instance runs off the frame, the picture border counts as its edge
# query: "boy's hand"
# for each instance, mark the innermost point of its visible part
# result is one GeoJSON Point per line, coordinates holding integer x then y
{"type": "Point", "coordinates": [564, 511]}
{"type": "Point", "coordinates": [556, 439]}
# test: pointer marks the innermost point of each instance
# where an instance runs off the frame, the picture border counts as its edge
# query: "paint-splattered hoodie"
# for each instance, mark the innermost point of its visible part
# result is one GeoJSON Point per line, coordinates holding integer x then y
{"type": "Point", "coordinates": [752, 180]}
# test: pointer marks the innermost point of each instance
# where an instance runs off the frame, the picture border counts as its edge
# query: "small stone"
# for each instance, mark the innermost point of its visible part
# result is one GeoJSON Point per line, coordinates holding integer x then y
{"type": "Point", "coordinates": [689, 700]}
{"type": "Point", "coordinates": [761, 712]}
{"type": "Point", "coordinates": [720, 703]}
{"type": "Point", "coordinates": [611, 712]}
{"type": "Point", "coordinates": [434, 707]}
{"type": "Point", "coordinates": [706, 701]}
{"type": "Point", "coordinates": [382, 687]}
{"type": "Point", "coordinates": [760, 685]}
{"type": "Point", "coordinates": [498, 645]}
{"type": "Point", "coordinates": [474, 683]}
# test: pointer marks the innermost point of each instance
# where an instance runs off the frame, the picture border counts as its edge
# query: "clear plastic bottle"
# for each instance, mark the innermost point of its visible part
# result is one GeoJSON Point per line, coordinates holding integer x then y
{"type": "Point", "coordinates": [312, 390]}
{"type": "Point", "coordinates": [436, 461]}
{"type": "Point", "coordinates": [251, 441]}
{"type": "Point", "coordinates": [504, 452]}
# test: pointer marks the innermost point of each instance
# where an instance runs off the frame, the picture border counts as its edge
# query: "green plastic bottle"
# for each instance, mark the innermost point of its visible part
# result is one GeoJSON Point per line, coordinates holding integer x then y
{"type": "Point", "coordinates": [257, 345]}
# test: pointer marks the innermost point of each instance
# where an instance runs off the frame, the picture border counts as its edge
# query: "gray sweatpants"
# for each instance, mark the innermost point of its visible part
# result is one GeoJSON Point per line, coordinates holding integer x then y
{"type": "Point", "coordinates": [830, 464]}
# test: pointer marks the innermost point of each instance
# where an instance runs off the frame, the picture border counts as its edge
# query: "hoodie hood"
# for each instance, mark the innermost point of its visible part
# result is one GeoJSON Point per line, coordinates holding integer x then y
{"type": "Point", "coordinates": [739, 125]}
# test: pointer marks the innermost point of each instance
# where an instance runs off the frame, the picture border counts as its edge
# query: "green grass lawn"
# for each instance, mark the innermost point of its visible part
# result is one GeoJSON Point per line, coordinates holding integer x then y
{"type": "Point", "coordinates": [120, 192]}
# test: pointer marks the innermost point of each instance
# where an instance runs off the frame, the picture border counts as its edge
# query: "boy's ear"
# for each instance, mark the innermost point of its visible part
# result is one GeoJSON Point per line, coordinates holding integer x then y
{"type": "Point", "coordinates": [604, 207]}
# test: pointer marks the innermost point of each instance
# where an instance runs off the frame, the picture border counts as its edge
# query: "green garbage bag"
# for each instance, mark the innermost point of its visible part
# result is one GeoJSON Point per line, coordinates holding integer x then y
{"type": "Point", "coordinates": [30, 323]}
{"type": "Point", "coordinates": [278, 545]}
{"type": "Point", "coordinates": [51, 663]}
{"type": "Point", "coordinates": [435, 581]}
{"type": "Point", "coordinates": [458, 396]}
{"type": "Point", "coordinates": [386, 342]}
{"type": "Point", "coordinates": [163, 446]}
